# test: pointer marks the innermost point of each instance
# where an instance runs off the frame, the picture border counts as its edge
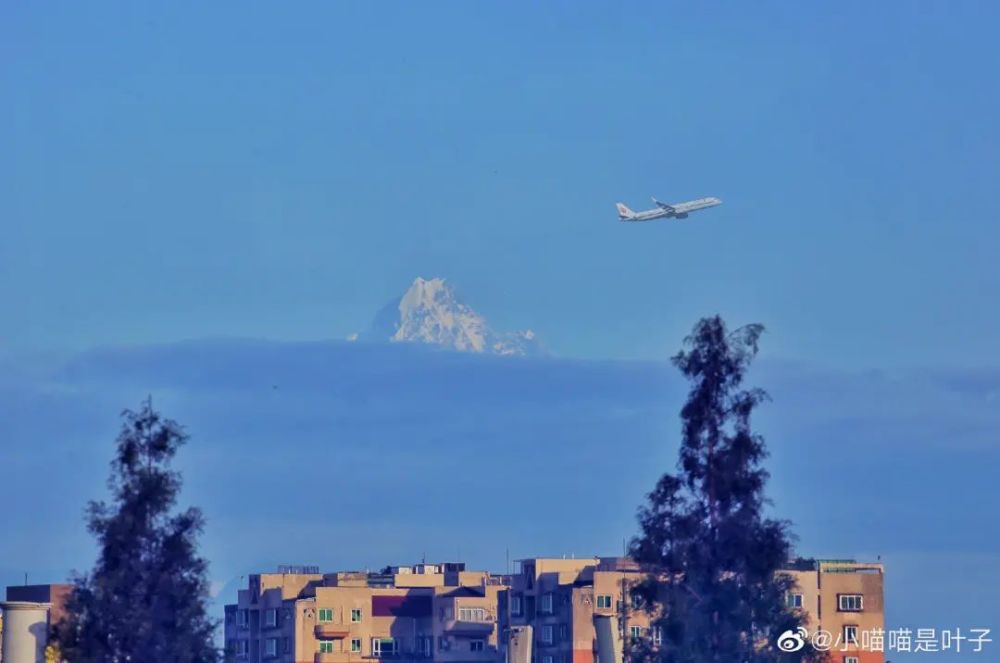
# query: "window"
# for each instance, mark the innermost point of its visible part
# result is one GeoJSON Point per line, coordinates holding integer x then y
{"type": "Point", "coordinates": [636, 600]}
{"type": "Point", "coordinates": [270, 617]}
{"type": "Point", "coordinates": [271, 647]}
{"type": "Point", "coordinates": [850, 602]}
{"type": "Point", "coordinates": [515, 606]}
{"type": "Point", "coordinates": [793, 600]}
{"type": "Point", "coordinates": [657, 633]}
{"type": "Point", "coordinates": [356, 614]}
{"type": "Point", "coordinates": [242, 648]}
{"type": "Point", "coordinates": [472, 614]}
{"type": "Point", "coordinates": [477, 645]}
{"type": "Point", "coordinates": [425, 645]}
{"type": "Point", "coordinates": [547, 658]}
{"type": "Point", "coordinates": [326, 646]}
{"type": "Point", "coordinates": [548, 634]}
{"type": "Point", "coordinates": [851, 659]}
{"type": "Point", "coordinates": [243, 618]}
{"type": "Point", "coordinates": [851, 635]}
{"type": "Point", "coordinates": [635, 632]}
{"type": "Point", "coordinates": [383, 646]}
{"type": "Point", "coordinates": [604, 601]}
{"type": "Point", "coordinates": [547, 603]}
{"type": "Point", "coordinates": [326, 614]}
{"type": "Point", "coordinates": [356, 645]}
{"type": "Point", "coordinates": [564, 631]}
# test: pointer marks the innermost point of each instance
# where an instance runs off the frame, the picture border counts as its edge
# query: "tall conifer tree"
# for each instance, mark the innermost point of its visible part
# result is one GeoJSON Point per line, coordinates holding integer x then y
{"type": "Point", "coordinates": [714, 557]}
{"type": "Point", "coordinates": [145, 599]}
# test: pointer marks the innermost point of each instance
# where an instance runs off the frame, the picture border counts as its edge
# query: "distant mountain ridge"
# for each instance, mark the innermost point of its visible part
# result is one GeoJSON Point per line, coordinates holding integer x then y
{"type": "Point", "coordinates": [430, 312]}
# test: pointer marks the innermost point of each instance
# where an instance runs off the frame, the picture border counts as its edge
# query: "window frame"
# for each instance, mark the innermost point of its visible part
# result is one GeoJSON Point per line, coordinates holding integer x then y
{"type": "Point", "coordinates": [472, 614]}
{"type": "Point", "coordinates": [846, 599]}
{"type": "Point", "coordinates": [325, 647]}
{"type": "Point", "coordinates": [356, 612]}
{"type": "Point", "coordinates": [548, 603]}
{"type": "Point", "coordinates": [377, 647]}
{"type": "Point", "coordinates": [356, 641]}
{"type": "Point", "coordinates": [604, 601]}
{"type": "Point", "coordinates": [849, 628]}
{"type": "Point", "coordinates": [324, 612]}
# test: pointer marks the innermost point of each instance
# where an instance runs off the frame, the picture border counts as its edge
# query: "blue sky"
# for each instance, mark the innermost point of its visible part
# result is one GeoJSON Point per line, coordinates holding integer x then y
{"type": "Point", "coordinates": [279, 172]}
{"type": "Point", "coordinates": [255, 170]}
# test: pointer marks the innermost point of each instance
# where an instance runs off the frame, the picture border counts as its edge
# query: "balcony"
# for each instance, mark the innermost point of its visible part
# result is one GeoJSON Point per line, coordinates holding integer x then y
{"type": "Point", "coordinates": [356, 657]}
{"type": "Point", "coordinates": [335, 657]}
{"type": "Point", "coordinates": [460, 628]}
{"type": "Point", "coordinates": [326, 630]}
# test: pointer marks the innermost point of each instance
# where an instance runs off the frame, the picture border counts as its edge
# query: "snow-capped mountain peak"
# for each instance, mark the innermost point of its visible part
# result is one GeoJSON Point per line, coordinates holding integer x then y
{"type": "Point", "coordinates": [430, 312]}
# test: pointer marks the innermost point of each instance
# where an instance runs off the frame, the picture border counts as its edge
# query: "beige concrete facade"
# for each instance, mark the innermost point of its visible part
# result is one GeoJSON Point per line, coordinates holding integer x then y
{"type": "Point", "coordinates": [558, 598]}
{"type": "Point", "coordinates": [841, 597]}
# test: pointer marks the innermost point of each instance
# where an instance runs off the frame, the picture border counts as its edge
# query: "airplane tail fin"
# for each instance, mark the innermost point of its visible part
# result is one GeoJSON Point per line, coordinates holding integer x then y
{"type": "Point", "coordinates": [624, 212]}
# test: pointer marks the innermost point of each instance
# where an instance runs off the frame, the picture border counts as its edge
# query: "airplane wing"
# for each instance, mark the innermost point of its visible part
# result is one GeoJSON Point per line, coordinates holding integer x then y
{"type": "Point", "coordinates": [692, 205]}
{"type": "Point", "coordinates": [663, 206]}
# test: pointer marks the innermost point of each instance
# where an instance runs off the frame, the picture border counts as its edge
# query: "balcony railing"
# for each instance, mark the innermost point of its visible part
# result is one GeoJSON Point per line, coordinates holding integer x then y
{"type": "Point", "coordinates": [461, 627]}
{"type": "Point", "coordinates": [328, 630]}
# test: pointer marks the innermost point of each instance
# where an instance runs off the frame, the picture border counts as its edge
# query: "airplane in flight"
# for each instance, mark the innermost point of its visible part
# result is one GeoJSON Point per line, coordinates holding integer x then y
{"type": "Point", "coordinates": [665, 211]}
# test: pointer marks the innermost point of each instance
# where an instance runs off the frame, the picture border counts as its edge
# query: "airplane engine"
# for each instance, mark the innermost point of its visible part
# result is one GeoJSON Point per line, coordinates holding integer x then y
{"type": "Point", "coordinates": [682, 215]}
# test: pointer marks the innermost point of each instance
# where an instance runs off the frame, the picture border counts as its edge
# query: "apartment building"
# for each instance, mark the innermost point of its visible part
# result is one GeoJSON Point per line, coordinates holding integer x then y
{"type": "Point", "coordinates": [443, 612]}
{"type": "Point", "coordinates": [30, 611]}
{"type": "Point", "coordinates": [559, 598]}
{"type": "Point", "coordinates": [55, 595]}
{"type": "Point", "coordinates": [846, 599]}
{"type": "Point", "coordinates": [439, 612]}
